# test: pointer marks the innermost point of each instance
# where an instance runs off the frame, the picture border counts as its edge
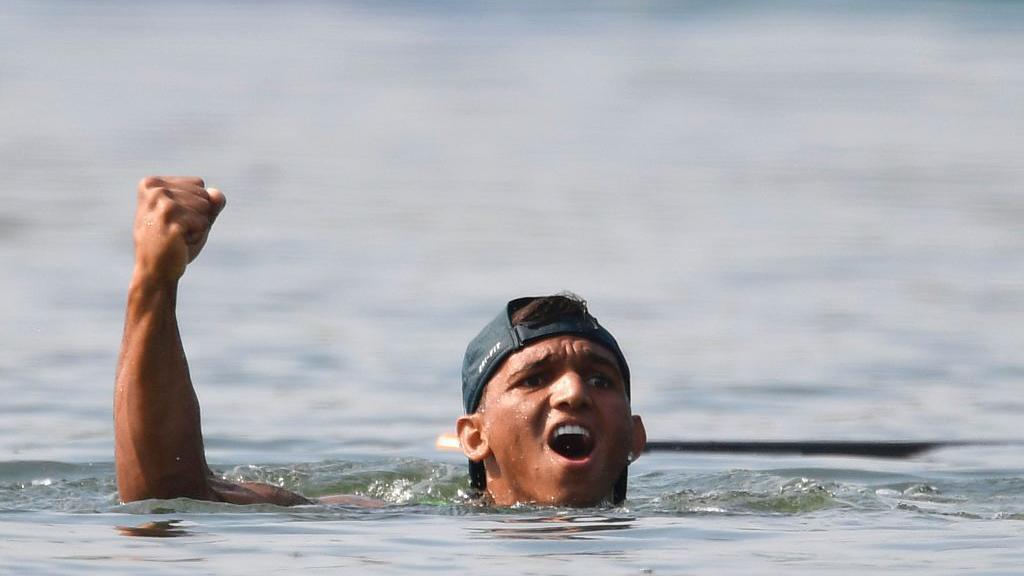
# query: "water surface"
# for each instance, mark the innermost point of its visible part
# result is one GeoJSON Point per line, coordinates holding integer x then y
{"type": "Point", "coordinates": [801, 222]}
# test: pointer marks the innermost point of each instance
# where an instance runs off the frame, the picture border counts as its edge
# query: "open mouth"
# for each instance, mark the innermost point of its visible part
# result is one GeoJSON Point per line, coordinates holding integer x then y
{"type": "Point", "coordinates": [571, 441]}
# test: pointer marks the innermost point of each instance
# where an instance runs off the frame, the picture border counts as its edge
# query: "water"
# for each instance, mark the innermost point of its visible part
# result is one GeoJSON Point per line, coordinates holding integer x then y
{"type": "Point", "coordinates": [800, 220]}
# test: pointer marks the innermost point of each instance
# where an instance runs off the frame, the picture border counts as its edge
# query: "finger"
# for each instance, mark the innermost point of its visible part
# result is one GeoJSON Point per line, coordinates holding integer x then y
{"type": "Point", "coordinates": [194, 226]}
{"type": "Point", "coordinates": [217, 202]}
{"type": "Point", "coordinates": [149, 183]}
{"type": "Point", "coordinates": [191, 197]}
{"type": "Point", "coordinates": [183, 181]}
{"type": "Point", "coordinates": [152, 182]}
{"type": "Point", "coordinates": [213, 199]}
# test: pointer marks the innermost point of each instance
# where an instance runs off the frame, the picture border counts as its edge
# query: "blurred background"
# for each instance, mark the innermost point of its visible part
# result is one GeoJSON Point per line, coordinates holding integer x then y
{"type": "Point", "coordinates": [802, 220]}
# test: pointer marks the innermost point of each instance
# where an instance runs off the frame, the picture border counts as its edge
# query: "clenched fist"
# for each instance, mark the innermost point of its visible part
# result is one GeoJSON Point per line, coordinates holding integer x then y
{"type": "Point", "coordinates": [172, 221]}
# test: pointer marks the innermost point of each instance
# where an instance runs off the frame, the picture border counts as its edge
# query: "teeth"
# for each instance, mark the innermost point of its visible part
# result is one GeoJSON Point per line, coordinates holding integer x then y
{"type": "Point", "coordinates": [571, 429]}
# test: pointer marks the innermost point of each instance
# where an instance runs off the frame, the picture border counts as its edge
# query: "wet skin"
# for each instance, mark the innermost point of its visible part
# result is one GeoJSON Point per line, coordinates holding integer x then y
{"type": "Point", "coordinates": [562, 380]}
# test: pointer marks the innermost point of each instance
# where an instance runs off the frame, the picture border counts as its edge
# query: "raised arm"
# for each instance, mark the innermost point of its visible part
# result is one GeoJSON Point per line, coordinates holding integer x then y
{"type": "Point", "coordinates": [158, 439]}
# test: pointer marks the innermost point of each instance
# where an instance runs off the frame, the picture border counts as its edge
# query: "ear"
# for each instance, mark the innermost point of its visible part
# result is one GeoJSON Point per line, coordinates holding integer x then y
{"type": "Point", "coordinates": [471, 437]}
{"type": "Point", "coordinates": [639, 437]}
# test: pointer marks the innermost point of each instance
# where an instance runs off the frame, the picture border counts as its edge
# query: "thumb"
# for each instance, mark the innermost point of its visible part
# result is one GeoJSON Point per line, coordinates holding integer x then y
{"type": "Point", "coordinates": [217, 200]}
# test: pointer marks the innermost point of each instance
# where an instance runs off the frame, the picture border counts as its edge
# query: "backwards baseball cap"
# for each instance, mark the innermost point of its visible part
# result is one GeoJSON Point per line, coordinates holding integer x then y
{"type": "Point", "coordinates": [501, 338]}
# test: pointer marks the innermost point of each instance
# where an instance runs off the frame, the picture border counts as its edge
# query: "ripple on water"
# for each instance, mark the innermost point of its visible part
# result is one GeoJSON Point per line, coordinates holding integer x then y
{"type": "Point", "coordinates": [411, 485]}
{"type": "Point", "coordinates": [743, 492]}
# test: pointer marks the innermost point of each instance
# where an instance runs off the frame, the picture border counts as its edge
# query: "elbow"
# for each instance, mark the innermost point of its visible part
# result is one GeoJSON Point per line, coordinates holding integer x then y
{"type": "Point", "coordinates": [132, 487]}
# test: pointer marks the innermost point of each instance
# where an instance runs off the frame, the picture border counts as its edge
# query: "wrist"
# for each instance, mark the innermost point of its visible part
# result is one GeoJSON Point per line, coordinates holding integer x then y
{"type": "Point", "coordinates": [146, 284]}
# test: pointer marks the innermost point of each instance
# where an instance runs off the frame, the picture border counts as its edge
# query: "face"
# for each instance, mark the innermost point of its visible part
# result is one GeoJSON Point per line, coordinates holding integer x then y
{"type": "Point", "coordinates": [554, 425]}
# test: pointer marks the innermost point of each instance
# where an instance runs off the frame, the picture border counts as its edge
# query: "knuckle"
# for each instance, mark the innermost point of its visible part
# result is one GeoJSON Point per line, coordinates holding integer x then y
{"type": "Point", "coordinates": [163, 203]}
{"type": "Point", "coordinates": [149, 182]}
{"type": "Point", "coordinates": [158, 198]}
{"type": "Point", "coordinates": [176, 228]}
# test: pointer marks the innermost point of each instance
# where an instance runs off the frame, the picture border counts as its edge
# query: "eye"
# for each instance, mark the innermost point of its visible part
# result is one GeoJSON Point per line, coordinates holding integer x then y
{"type": "Point", "coordinates": [532, 381]}
{"type": "Point", "coordinates": [601, 381]}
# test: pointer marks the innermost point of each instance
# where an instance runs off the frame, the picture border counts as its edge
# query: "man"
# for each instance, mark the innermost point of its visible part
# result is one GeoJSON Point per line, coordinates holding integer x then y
{"type": "Point", "coordinates": [545, 387]}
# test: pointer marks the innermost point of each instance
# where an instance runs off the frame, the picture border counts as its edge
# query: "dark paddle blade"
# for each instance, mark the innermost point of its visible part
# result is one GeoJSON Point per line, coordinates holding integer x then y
{"type": "Point", "coordinates": [814, 447]}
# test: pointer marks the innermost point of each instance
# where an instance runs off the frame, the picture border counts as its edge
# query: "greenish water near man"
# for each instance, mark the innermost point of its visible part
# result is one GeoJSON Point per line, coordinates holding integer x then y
{"type": "Point", "coordinates": [804, 220]}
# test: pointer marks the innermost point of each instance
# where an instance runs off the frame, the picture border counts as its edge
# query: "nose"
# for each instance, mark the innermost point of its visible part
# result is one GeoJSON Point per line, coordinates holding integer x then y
{"type": "Point", "coordinates": [570, 392]}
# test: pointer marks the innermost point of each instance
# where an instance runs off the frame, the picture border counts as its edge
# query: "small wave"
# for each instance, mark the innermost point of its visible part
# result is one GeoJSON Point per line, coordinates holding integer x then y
{"type": "Point", "coordinates": [57, 486]}
{"type": "Point", "coordinates": [402, 481]}
{"type": "Point", "coordinates": [410, 485]}
{"type": "Point", "coordinates": [754, 494]}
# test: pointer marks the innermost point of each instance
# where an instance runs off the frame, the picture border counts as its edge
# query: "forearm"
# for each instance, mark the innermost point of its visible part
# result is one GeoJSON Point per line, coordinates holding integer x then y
{"type": "Point", "coordinates": [158, 437]}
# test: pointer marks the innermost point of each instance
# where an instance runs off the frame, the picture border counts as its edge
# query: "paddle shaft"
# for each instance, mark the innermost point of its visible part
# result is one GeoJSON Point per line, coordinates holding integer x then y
{"type": "Point", "coordinates": [807, 448]}
{"type": "Point", "coordinates": [810, 448]}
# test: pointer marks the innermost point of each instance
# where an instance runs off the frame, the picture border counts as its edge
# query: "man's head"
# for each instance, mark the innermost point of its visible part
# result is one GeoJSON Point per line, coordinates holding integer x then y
{"type": "Point", "coordinates": [546, 395]}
